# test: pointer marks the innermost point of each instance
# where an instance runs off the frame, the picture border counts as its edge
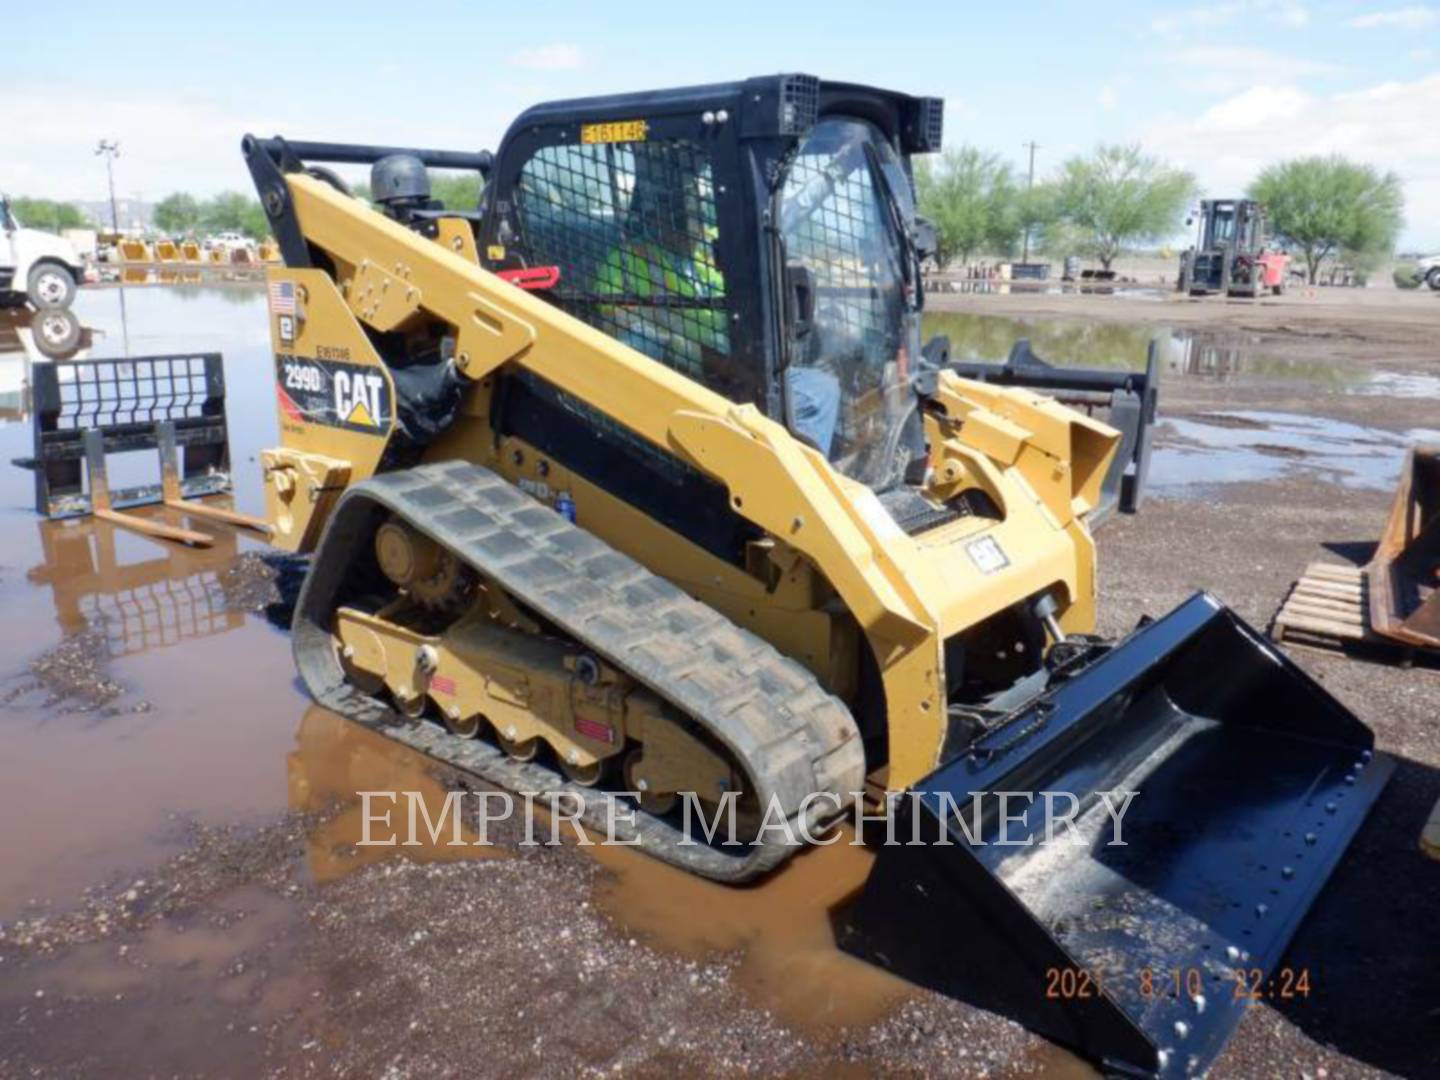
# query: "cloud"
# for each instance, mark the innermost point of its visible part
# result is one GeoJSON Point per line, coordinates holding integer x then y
{"type": "Point", "coordinates": [1286, 13]}
{"type": "Point", "coordinates": [1390, 125]}
{"type": "Point", "coordinates": [1231, 68]}
{"type": "Point", "coordinates": [1107, 98]}
{"type": "Point", "coordinates": [169, 144]}
{"type": "Point", "coordinates": [1406, 18]}
{"type": "Point", "coordinates": [165, 144]}
{"type": "Point", "coordinates": [559, 56]}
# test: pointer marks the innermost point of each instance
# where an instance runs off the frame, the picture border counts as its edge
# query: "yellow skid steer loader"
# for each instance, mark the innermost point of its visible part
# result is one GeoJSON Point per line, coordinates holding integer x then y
{"type": "Point", "coordinates": [636, 481]}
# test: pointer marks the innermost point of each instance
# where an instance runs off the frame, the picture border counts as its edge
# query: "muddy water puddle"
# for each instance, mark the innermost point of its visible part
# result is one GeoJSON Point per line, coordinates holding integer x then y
{"type": "Point", "coordinates": [781, 927]}
{"type": "Point", "coordinates": [1255, 446]}
{"type": "Point", "coordinates": [135, 695]}
{"type": "Point", "coordinates": [1182, 353]}
{"type": "Point", "coordinates": [183, 997]}
{"type": "Point", "coordinates": [780, 930]}
{"type": "Point", "coordinates": [1198, 455]}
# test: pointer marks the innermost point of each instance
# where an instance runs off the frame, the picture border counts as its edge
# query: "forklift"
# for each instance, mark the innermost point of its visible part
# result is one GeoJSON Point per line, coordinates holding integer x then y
{"type": "Point", "coordinates": [1230, 254]}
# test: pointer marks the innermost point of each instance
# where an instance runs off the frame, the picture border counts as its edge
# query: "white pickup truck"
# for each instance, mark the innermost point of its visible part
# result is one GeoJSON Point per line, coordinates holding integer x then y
{"type": "Point", "coordinates": [1428, 272]}
{"type": "Point", "coordinates": [35, 265]}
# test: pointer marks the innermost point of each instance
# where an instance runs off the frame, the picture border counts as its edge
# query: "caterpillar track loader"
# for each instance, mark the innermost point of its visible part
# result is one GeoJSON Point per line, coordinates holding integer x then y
{"type": "Point", "coordinates": [636, 478]}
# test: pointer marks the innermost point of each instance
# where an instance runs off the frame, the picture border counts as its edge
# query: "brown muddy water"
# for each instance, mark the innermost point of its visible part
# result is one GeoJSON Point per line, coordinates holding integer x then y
{"type": "Point", "coordinates": [141, 705]}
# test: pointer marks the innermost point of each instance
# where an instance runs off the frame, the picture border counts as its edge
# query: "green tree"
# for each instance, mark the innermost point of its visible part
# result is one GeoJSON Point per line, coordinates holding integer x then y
{"type": "Point", "coordinates": [177, 214]}
{"type": "Point", "coordinates": [1323, 205]}
{"type": "Point", "coordinates": [971, 198]}
{"type": "Point", "coordinates": [457, 190]}
{"type": "Point", "coordinates": [48, 214]}
{"type": "Point", "coordinates": [1119, 196]}
{"type": "Point", "coordinates": [1038, 214]}
{"type": "Point", "coordinates": [231, 211]}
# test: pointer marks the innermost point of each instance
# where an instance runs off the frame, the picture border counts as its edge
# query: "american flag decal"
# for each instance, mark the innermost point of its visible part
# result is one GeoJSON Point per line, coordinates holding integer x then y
{"type": "Point", "coordinates": [282, 298]}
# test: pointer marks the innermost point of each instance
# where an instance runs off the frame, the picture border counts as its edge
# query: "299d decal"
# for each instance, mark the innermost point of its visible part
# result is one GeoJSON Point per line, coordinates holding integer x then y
{"type": "Point", "coordinates": [351, 396]}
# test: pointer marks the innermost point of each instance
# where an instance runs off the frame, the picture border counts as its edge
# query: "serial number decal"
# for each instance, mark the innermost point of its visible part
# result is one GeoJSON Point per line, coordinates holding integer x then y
{"type": "Point", "coordinates": [619, 131]}
{"type": "Point", "coordinates": [335, 393]}
{"type": "Point", "coordinates": [987, 555]}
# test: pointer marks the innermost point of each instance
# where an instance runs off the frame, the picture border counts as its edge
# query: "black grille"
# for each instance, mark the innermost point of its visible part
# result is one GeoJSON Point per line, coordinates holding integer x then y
{"type": "Point", "coordinates": [799, 104]}
{"type": "Point", "coordinates": [930, 127]}
{"type": "Point", "coordinates": [633, 228]}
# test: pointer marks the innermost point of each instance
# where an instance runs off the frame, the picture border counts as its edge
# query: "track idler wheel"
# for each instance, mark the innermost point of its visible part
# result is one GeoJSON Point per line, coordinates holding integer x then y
{"type": "Point", "coordinates": [519, 749]}
{"type": "Point", "coordinates": [466, 727]}
{"type": "Point", "coordinates": [586, 775]}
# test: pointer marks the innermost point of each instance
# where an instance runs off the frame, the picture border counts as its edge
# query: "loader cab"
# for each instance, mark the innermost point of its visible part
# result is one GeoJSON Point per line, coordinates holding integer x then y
{"type": "Point", "coordinates": [1233, 224]}
{"type": "Point", "coordinates": [757, 236]}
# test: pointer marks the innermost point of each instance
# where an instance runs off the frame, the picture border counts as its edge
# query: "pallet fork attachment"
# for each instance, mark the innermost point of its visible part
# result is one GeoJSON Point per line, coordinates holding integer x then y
{"type": "Point", "coordinates": [1129, 398]}
{"type": "Point", "coordinates": [173, 405]}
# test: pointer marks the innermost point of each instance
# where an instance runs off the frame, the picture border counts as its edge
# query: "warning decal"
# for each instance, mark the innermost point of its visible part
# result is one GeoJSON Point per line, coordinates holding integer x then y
{"type": "Point", "coordinates": [338, 394]}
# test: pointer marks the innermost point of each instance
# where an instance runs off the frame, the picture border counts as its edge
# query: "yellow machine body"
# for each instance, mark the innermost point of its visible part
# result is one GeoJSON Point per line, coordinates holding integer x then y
{"type": "Point", "coordinates": [833, 572]}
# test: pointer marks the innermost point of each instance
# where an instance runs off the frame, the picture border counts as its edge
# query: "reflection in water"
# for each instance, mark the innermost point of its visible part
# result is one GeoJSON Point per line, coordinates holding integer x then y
{"type": "Point", "coordinates": [1081, 343]}
{"type": "Point", "coordinates": [32, 337]}
{"type": "Point", "coordinates": [193, 278]}
{"type": "Point", "coordinates": [136, 606]}
{"type": "Point", "coordinates": [1248, 446]}
{"type": "Point", "coordinates": [780, 926]}
{"type": "Point", "coordinates": [333, 760]}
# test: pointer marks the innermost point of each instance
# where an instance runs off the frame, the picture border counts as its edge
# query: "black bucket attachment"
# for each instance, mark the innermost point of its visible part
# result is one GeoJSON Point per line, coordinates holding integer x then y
{"type": "Point", "coordinates": [1142, 955]}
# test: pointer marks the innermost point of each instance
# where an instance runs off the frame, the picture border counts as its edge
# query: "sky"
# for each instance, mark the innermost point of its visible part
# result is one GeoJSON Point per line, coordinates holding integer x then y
{"type": "Point", "coordinates": [1221, 88]}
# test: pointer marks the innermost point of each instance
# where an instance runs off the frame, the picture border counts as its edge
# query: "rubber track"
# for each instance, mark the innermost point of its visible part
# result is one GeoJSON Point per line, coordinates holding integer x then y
{"type": "Point", "coordinates": [793, 737]}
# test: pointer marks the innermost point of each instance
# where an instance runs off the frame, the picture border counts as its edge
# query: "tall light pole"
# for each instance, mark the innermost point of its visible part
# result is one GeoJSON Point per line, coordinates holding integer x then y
{"type": "Point", "coordinates": [110, 150]}
{"type": "Point", "coordinates": [1029, 187]}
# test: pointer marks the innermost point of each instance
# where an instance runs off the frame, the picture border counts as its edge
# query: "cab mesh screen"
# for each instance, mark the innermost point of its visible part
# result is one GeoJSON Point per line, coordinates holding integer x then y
{"type": "Point", "coordinates": [836, 229]}
{"type": "Point", "coordinates": [632, 227]}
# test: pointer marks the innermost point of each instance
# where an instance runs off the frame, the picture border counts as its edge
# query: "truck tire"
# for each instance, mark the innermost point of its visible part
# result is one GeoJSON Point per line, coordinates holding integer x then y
{"type": "Point", "coordinates": [1433, 279]}
{"type": "Point", "coordinates": [57, 333]}
{"type": "Point", "coordinates": [51, 286]}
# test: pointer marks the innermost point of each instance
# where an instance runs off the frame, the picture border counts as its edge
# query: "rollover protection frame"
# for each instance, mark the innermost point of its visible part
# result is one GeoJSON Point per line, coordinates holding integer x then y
{"type": "Point", "coordinates": [1250, 782]}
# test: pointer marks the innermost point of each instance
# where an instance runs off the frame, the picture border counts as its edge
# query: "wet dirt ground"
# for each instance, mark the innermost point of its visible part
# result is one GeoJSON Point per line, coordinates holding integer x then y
{"type": "Point", "coordinates": [180, 888]}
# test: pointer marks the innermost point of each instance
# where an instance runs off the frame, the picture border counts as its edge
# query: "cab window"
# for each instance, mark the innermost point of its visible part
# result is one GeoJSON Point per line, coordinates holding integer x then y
{"type": "Point", "coordinates": [633, 228]}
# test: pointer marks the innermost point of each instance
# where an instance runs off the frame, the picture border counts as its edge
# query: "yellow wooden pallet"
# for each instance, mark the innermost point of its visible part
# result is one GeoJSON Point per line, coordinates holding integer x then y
{"type": "Point", "coordinates": [1329, 608]}
{"type": "Point", "coordinates": [1330, 603]}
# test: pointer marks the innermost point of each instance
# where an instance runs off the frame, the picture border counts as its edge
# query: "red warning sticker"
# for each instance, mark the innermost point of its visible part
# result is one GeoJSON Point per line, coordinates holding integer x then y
{"type": "Point", "coordinates": [593, 729]}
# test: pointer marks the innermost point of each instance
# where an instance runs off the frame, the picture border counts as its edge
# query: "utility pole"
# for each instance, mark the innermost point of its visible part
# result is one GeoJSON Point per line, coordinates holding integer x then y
{"type": "Point", "coordinates": [1029, 186]}
{"type": "Point", "coordinates": [110, 150]}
